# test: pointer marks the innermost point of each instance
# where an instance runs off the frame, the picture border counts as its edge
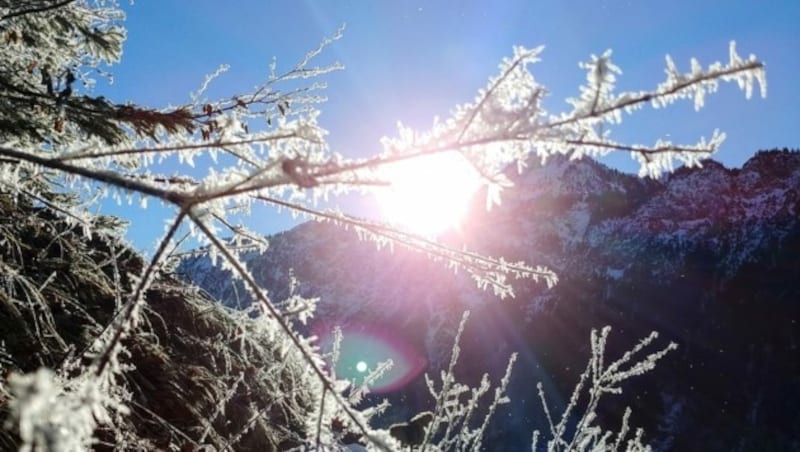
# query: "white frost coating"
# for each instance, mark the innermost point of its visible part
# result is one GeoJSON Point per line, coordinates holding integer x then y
{"type": "Point", "coordinates": [506, 122]}
{"type": "Point", "coordinates": [53, 418]}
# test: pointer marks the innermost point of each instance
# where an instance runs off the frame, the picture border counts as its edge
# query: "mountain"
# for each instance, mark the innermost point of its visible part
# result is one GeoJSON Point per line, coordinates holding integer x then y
{"type": "Point", "coordinates": [709, 257]}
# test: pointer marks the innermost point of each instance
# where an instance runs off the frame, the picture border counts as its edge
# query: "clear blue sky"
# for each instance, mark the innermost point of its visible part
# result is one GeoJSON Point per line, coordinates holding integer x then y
{"type": "Point", "coordinates": [411, 61]}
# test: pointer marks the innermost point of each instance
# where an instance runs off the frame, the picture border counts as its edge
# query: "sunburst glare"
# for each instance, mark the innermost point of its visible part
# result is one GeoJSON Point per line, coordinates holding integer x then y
{"type": "Point", "coordinates": [430, 194]}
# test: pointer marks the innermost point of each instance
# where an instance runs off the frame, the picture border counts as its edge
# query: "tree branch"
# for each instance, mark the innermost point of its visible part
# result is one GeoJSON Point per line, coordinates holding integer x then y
{"type": "Point", "coordinates": [37, 9]}
{"type": "Point", "coordinates": [108, 177]}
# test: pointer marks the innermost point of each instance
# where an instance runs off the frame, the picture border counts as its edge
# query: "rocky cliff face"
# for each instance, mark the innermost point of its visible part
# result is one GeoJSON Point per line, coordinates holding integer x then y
{"type": "Point", "coordinates": [709, 257]}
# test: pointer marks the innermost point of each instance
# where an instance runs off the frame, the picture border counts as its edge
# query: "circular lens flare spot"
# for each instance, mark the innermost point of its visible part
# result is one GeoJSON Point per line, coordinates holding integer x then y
{"type": "Point", "coordinates": [366, 346]}
{"type": "Point", "coordinates": [428, 194]}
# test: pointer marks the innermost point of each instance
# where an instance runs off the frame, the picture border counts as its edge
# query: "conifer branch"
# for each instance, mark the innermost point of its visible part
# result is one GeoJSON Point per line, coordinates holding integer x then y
{"type": "Point", "coordinates": [37, 9]}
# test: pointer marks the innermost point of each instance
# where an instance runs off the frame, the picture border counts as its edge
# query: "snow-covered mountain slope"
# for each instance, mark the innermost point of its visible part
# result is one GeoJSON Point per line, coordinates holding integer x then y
{"type": "Point", "coordinates": [710, 257]}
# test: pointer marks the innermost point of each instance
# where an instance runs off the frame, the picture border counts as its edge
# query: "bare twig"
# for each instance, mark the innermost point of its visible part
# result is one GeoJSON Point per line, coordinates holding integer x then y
{"type": "Point", "coordinates": [127, 313]}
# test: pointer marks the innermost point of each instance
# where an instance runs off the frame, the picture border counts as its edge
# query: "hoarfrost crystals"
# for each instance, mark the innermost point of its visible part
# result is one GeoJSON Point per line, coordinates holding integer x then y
{"type": "Point", "coordinates": [50, 417]}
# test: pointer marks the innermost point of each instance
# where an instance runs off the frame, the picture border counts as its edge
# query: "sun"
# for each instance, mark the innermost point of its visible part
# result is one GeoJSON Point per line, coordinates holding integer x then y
{"type": "Point", "coordinates": [428, 194]}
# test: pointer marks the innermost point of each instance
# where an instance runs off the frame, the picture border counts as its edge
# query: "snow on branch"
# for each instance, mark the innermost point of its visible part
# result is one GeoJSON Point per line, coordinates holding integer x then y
{"type": "Point", "coordinates": [595, 382]}
{"type": "Point", "coordinates": [506, 122]}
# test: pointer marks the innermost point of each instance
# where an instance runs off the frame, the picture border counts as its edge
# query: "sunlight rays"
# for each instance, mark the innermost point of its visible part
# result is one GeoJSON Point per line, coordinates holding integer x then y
{"type": "Point", "coordinates": [429, 194]}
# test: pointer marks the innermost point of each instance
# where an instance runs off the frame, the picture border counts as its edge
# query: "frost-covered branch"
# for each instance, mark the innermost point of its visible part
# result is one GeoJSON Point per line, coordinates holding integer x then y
{"type": "Point", "coordinates": [595, 382]}
{"type": "Point", "coordinates": [450, 425]}
{"type": "Point", "coordinates": [507, 123]}
{"type": "Point", "coordinates": [129, 315]}
{"type": "Point", "coordinates": [485, 269]}
{"type": "Point", "coordinates": [34, 8]}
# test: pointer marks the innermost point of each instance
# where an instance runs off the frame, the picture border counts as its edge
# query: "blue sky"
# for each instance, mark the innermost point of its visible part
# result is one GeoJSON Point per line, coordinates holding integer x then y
{"type": "Point", "coordinates": [410, 61]}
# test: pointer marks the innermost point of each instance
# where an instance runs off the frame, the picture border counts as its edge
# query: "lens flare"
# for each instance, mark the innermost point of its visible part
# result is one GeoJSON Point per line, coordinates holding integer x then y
{"type": "Point", "coordinates": [364, 347]}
